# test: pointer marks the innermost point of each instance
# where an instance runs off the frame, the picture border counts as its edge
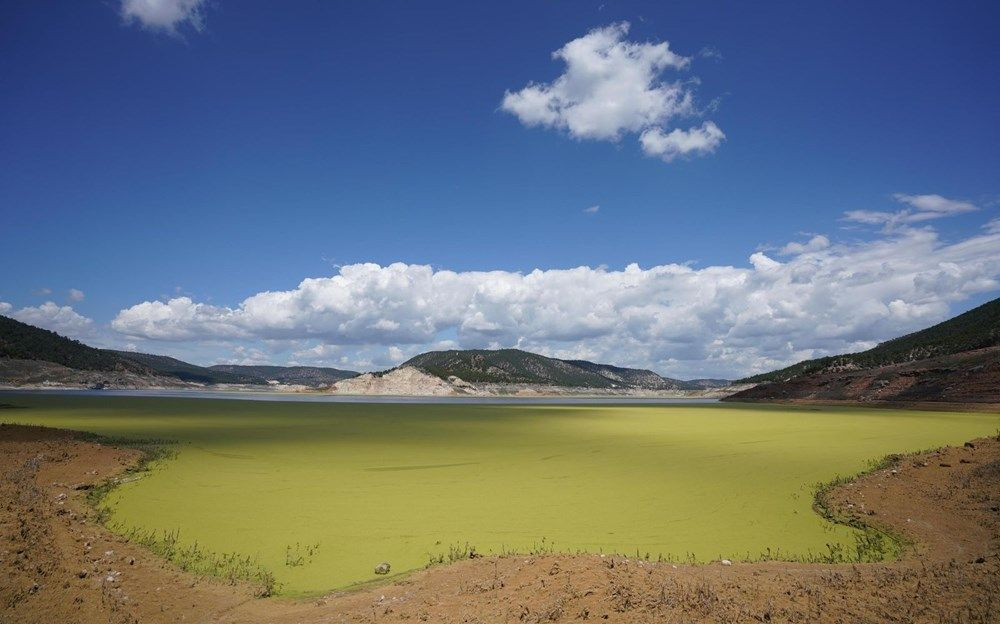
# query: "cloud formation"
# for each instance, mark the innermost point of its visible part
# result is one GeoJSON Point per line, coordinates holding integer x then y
{"type": "Point", "coordinates": [611, 87]}
{"type": "Point", "coordinates": [164, 15]}
{"type": "Point", "coordinates": [61, 319]}
{"type": "Point", "coordinates": [696, 141]}
{"type": "Point", "coordinates": [823, 298]}
{"type": "Point", "coordinates": [75, 295]}
{"type": "Point", "coordinates": [921, 208]}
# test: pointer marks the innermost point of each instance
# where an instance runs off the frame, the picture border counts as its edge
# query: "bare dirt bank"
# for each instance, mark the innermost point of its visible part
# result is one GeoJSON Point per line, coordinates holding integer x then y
{"type": "Point", "coordinates": [58, 565]}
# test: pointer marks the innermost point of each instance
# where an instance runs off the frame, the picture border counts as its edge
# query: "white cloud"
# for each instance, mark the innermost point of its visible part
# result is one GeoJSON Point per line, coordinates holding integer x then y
{"type": "Point", "coordinates": [60, 319]}
{"type": "Point", "coordinates": [249, 356]}
{"type": "Point", "coordinates": [719, 320]}
{"type": "Point", "coordinates": [164, 15]}
{"type": "Point", "coordinates": [42, 292]}
{"type": "Point", "coordinates": [921, 208]}
{"type": "Point", "coordinates": [611, 87]}
{"type": "Point", "coordinates": [816, 243]}
{"type": "Point", "coordinates": [710, 52]}
{"type": "Point", "coordinates": [592, 209]}
{"type": "Point", "coordinates": [696, 141]}
{"type": "Point", "coordinates": [75, 295]}
{"type": "Point", "coordinates": [396, 354]}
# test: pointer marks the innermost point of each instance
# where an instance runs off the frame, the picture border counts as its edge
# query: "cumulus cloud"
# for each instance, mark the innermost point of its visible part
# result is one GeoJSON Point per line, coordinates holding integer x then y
{"type": "Point", "coordinates": [721, 320]}
{"type": "Point", "coordinates": [816, 243]}
{"type": "Point", "coordinates": [75, 295]}
{"type": "Point", "coordinates": [60, 319]}
{"type": "Point", "coordinates": [921, 208]}
{"type": "Point", "coordinates": [592, 209]}
{"type": "Point", "coordinates": [165, 15]}
{"type": "Point", "coordinates": [693, 141]}
{"type": "Point", "coordinates": [611, 87]}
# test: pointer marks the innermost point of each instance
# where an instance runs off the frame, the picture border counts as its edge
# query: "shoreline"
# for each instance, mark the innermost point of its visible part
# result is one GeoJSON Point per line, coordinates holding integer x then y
{"type": "Point", "coordinates": [934, 498]}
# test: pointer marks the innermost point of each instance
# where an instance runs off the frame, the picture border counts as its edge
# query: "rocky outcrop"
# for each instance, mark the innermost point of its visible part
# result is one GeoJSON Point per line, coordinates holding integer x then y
{"type": "Point", "coordinates": [405, 381]}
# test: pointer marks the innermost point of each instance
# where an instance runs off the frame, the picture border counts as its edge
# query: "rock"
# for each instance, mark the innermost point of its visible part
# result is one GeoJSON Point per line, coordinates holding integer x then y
{"type": "Point", "coordinates": [382, 568]}
{"type": "Point", "coordinates": [726, 562]}
{"type": "Point", "coordinates": [970, 445]}
{"type": "Point", "coordinates": [82, 574]}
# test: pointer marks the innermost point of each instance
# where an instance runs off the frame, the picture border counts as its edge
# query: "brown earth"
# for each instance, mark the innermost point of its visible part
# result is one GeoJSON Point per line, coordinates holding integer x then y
{"type": "Point", "coordinates": [58, 565]}
{"type": "Point", "coordinates": [967, 377]}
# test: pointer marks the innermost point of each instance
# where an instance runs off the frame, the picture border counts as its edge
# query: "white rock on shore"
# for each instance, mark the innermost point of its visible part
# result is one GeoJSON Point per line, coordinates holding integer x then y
{"type": "Point", "coordinates": [406, 381]}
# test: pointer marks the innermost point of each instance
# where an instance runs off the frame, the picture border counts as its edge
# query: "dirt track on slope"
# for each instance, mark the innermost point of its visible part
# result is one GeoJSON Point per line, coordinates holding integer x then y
{"type": "Point", "coordinates": [58, 565]}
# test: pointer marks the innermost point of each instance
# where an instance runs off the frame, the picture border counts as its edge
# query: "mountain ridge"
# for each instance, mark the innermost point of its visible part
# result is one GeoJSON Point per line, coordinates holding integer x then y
{"type": "Point", "coordinates": [319, 375]}
{"type": "Point", "coordinates": [957, 360]}
{"type": "Point", "coordinates": [976, 329]}
{"type": "Point", "coordinates": [516, 366]}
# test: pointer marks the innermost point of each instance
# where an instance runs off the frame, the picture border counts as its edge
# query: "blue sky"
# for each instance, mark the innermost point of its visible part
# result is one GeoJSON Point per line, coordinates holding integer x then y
{"type": "Point", "coordinates": [213, 151]}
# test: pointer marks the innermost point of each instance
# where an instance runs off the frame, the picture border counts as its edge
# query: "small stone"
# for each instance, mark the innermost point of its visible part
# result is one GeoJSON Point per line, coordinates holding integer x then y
{"type": "Point", "coordinates": [82, 574]}
{"type": "Point", "coordinates": [726, 562]}
{"type": "Point", "coordinates": [382, 568]}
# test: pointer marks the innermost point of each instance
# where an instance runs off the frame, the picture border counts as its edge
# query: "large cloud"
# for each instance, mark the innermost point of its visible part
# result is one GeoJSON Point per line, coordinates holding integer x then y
{"type": "Point", "coordinates": [823, 298]}
{"type": "Point", "coordinates": [61, 319]}
{"type": "Point", "coordinates": [611, 87]}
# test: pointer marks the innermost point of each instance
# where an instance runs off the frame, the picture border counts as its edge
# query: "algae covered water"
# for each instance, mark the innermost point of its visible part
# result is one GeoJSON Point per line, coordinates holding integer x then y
{"type": "Point", "coordinates": [319, 493]}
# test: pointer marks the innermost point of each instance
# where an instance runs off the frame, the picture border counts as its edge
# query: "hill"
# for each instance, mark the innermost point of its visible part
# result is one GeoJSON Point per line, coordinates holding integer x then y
{"type": "Point", "coordinates": [20, 341]}
{"type": "Point", "coordinates": [630, 377]}
{"type": "Point", "coordinates": [954, 361]}
{"type": "Point", "coordinates": [514, 366]}
{"type": "Point", "coordinates": [184, 371]}
{"type": "Point", "coordinates": [976, 329]}
{"type": "Point", "coordinates": [298, 375]}
{"type": "Point", "coordinates": [30, 355]}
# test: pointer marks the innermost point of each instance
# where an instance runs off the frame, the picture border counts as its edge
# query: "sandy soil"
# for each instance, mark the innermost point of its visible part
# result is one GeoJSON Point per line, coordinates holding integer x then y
{"type": "Point", "coordinates": [58, 565]}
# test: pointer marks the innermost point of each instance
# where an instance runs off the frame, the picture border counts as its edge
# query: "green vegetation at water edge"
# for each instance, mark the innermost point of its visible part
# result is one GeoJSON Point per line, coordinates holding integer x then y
{"type": "Point", "coordinates": [317, 494]}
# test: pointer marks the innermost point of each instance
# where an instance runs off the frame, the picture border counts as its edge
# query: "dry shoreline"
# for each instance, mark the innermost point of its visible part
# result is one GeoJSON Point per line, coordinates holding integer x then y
{"type": "Point", "coordinates": [60, 565]}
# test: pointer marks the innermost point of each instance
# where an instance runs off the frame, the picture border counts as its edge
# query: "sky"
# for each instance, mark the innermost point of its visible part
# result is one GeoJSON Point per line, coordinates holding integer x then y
{"type": "Point", "coordinates": [699, 188]}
